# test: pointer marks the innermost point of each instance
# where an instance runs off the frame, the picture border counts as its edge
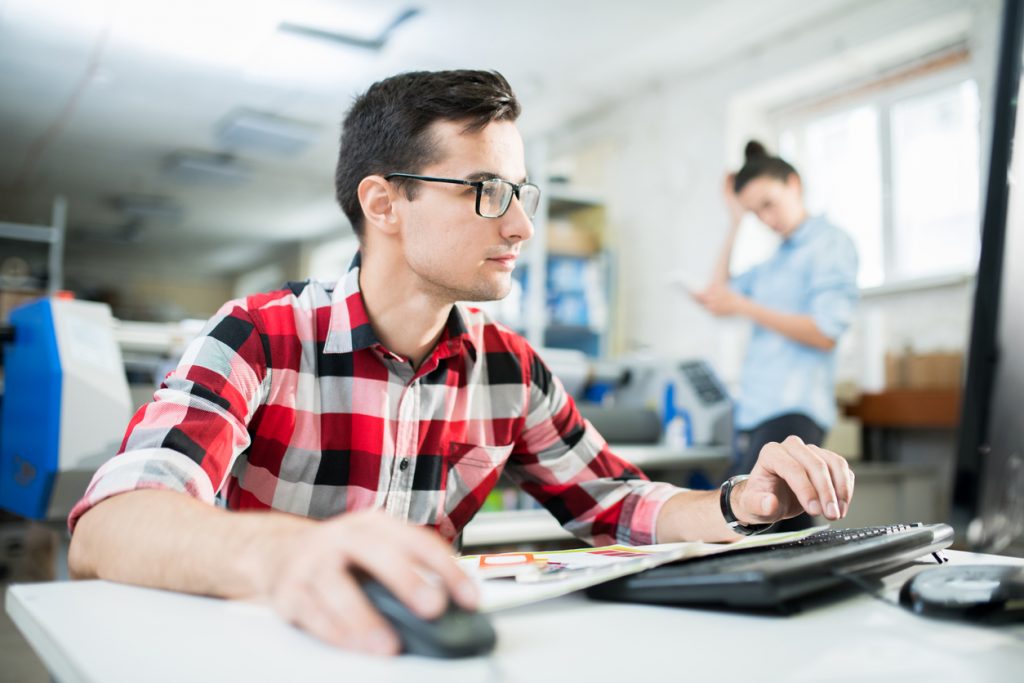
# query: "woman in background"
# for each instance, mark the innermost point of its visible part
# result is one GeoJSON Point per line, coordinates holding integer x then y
{"type": "Point", "coordinates": [800, 300]}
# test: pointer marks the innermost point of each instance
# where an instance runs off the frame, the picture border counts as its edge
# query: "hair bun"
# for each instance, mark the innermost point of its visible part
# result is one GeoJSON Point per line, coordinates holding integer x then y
{"type": "Point", "coordinates": [755, 150]}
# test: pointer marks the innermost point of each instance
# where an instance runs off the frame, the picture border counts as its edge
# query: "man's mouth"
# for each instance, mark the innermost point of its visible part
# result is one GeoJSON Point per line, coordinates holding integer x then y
{"type": "Point", "coordinates": [506, 260]}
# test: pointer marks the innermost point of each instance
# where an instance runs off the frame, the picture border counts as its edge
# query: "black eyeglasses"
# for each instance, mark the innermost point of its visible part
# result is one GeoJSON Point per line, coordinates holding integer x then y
{"type": "Point", "coordinates": [493, 196]}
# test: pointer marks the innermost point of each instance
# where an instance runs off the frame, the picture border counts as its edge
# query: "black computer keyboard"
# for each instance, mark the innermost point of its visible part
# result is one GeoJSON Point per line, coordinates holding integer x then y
{"type": "Point", "coordinates": [774, 576]}
{"type": "Point", "coordinates": [833, 537]}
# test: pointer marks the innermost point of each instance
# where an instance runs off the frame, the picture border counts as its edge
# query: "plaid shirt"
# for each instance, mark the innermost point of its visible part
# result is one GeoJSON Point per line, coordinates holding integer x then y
{"type": "Point", "coordinates": [288, 401]}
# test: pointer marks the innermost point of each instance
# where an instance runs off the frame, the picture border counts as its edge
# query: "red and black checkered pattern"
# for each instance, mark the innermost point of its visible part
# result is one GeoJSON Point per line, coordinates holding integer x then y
{"type": "Point", "coordinates": [288, 401]}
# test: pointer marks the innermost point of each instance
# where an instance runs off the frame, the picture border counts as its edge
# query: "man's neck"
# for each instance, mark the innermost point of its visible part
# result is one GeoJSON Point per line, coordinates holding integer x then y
{"type": "Point", "coordinates": [406, 319]}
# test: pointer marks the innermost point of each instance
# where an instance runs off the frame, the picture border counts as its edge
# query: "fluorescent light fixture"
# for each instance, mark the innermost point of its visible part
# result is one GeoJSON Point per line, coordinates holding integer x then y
{"type": "Point", "coordinates": [365, 25]}
{"type": "Point", "coordinates": [255, 131]}
{"type": "Point", "coordinates": [204, 168]}
{"type": "Point", "coordinates": [323, 46]}
{"type": "Point", "coordinates": [371, 35]}
{"type": "Point", "coordinates": [148, 207]}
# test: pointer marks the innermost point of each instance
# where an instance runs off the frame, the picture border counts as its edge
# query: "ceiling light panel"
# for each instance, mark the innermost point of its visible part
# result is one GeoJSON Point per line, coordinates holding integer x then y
{"type": "Point", "coordinates": [246, 130]}
{"type": "Point", "coordinates": [202, 168]}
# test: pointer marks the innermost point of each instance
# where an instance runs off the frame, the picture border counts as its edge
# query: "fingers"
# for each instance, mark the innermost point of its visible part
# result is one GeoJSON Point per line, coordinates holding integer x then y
{"type": "Point", "coordinates": [417, 566]}
{"type": "Point", "coordinates": [436, 556]}
{"type": "Point", "coordinates": [820, 480]}
{"type": "Point", "coordinates": [825, 501]}
{"type": "Point", "coordinates": [330, 606]}
{"type": "Point", "coordinates": [842, 476]}
{"type": "Point", "coordinates": [778, 460]}
{"type": "Point", "coordinates": [318, 590]}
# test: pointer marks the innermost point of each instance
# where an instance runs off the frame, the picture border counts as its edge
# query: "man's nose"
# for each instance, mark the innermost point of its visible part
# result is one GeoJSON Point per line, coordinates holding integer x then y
{"type": "Point", "coordinates": [516, 225]}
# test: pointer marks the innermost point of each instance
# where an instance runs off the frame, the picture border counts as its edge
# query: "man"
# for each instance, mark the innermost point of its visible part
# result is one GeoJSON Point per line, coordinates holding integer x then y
{"type": "Point", "coordinates": [379, 401]}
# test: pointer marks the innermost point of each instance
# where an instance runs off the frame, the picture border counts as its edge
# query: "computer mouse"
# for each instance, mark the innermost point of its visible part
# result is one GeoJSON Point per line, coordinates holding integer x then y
{"type": "Point", "coordinates": [458, 632]}
{"type": "Point", "coordinates": [985, 593]}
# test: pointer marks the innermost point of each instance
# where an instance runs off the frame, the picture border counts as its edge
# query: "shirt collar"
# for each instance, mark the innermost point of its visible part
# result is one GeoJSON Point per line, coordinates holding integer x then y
{"type": "Point", "coordinates": [349, 329]}
{"type": "Point", "coordinates": [803, 232]}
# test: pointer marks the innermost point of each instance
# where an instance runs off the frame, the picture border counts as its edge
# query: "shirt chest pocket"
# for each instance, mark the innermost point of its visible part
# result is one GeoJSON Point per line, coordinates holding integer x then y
{"type": "Point", "coordinates": [471, 471]}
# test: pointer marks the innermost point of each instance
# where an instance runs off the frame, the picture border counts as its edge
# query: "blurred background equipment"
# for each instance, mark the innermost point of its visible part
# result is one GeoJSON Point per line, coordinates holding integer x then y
{"type": "Point", "coordinates": [65, 404]}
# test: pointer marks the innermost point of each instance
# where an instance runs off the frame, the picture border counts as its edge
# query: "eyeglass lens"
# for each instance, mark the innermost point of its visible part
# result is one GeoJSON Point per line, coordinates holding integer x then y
{"type": "Point", "coordinates": [496, 195]}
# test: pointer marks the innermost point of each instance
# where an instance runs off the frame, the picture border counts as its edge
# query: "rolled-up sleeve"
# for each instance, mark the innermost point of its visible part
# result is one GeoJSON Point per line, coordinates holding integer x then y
{"type": "Point", "coordinates": [744, 282]}
{"type": "Point", "coordinates": [563, 462]}
{"type": "Point", "coordinates": [832, 289]}
{"type": "Point", "coordinates": [187, 438]}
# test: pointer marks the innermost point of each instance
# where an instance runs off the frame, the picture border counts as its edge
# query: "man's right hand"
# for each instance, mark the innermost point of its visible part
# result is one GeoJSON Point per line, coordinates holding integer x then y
{"type": "Point", "coordinates": [309, 575]}
{"type": "Point", "coordinates": [306, 569]}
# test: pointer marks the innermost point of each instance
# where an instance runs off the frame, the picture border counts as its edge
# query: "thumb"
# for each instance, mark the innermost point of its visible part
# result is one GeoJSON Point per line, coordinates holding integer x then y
{"type": "Point", "coordinates": [762, 506]}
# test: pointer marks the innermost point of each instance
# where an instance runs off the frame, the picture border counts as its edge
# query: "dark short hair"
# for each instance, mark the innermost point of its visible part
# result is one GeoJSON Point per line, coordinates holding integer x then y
{"type": "Point", "coordinates": [387, 128]}
{"type": "Point", "coordinates": [759, 163]}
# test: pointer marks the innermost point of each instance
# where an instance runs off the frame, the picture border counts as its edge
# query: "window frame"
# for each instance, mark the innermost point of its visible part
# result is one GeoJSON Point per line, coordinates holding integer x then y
{"type": "Point", "coordinates": [884, 97]}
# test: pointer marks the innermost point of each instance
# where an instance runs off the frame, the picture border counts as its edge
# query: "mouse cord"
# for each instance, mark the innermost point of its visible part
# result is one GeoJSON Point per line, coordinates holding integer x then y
{"type": "Point", "coordinates": [874, 591]}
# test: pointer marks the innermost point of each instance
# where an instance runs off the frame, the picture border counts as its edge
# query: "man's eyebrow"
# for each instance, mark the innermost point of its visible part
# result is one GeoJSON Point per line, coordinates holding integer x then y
{"type": "Point", "coordinates": [490, 175]}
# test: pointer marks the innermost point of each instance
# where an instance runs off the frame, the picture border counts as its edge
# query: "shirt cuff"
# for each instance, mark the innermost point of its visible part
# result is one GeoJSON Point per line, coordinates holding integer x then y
{"type": "Point", "coordinates": [639, 521]}
{"type": "Point", "coordinates": [147, 468]}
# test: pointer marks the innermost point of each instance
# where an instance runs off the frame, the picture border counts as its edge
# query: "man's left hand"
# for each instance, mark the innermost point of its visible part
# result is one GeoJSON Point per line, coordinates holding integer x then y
{"type": "Point", "coordinates": [792, 477]}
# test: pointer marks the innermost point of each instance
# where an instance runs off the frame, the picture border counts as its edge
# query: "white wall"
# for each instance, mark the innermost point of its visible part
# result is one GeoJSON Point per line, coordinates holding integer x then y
{"type": "Point", "coordinates": [658, 157]}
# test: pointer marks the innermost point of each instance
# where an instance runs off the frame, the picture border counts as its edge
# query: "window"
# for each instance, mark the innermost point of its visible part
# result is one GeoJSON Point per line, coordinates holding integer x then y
{"type": "Point", "coordinates": [935, 182]}
{"type": "Point", "coordinates": [840, 162]}
{"type": "Point", "coordinates": [899, 171]}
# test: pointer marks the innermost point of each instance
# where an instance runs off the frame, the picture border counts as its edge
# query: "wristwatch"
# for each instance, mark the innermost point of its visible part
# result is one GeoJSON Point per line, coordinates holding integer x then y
{"type": "Point", "coordinates": [730, 519]}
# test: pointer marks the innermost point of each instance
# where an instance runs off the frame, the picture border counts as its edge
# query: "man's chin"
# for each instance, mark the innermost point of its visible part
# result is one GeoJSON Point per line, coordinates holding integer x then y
{"type": "Point", "coordinates": [481, 294]}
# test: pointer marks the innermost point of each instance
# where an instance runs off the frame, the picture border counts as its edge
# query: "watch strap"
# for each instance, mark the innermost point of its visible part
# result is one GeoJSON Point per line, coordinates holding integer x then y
{"type": "Point", "coordinates": [725, 501]}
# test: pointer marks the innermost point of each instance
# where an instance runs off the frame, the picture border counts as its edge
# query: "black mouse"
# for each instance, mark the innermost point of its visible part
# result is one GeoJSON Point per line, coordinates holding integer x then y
{"type": "Point", "coordinates": [989, 593]}
{"type": "Point", "coordinates": [458, 632]}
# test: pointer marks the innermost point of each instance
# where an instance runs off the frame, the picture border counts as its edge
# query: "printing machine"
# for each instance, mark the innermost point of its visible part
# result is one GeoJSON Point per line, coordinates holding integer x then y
{"type": "Point", "coordinates": [65, 404]}
{"type": "Point", "coordinates": [629, 400]}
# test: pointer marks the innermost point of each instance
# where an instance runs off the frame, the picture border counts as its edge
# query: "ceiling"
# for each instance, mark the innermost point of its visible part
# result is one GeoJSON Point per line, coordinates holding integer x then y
{"type": "Point", "coordinates": [121, 106]}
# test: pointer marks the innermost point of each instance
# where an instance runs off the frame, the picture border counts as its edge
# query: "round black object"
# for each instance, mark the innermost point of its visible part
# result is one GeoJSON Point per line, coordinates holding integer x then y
{"type": "Point", "coordinates": [988, 593]}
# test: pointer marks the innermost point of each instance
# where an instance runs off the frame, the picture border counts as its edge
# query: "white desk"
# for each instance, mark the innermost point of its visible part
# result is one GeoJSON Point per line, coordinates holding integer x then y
{"type": "Point", "coordinates": [99, 631]}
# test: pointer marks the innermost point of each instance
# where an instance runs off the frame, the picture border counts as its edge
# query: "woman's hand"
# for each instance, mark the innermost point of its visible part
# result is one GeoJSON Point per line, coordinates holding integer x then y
{"type": "Point", "coordinates": [721, 301]}
{"type": "Point", "coordinates": [732, 201]}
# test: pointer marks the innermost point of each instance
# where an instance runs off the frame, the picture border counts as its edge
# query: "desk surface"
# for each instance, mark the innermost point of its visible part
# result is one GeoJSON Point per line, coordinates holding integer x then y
{"type": "Point", "coordinates": [100, 631]}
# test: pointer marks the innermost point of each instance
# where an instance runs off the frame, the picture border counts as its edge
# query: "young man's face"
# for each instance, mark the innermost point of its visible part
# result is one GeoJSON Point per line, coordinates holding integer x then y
{"type": "Point", "coordinates": [456, 254]}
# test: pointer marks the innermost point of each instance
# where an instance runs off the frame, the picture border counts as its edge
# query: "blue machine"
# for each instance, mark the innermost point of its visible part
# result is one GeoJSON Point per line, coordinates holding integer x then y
{"type": "Point", "coordinates": [65, 405]}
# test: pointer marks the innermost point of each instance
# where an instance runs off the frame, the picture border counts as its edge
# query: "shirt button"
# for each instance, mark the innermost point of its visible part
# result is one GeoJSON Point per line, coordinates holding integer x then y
{"type": "Point", "coordinates": [404, 465]}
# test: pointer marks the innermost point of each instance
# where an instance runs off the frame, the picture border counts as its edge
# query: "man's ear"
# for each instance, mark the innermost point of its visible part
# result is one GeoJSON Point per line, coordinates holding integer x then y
{"type": "Point", "coordinates": [377, 198]}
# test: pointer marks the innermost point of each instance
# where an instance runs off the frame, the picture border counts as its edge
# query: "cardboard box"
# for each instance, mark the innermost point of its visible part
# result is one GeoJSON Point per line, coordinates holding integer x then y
{"type": "Point", "coordinates": [12, 298]}
{"type": "Point", "coordinates": [572, 239]}
{"type": "Point", "coordinates": [924, 371]}
{"type": "Point", "coordinates": [845, 438]}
